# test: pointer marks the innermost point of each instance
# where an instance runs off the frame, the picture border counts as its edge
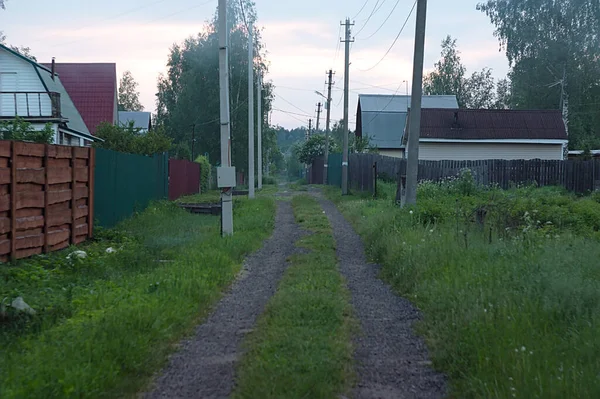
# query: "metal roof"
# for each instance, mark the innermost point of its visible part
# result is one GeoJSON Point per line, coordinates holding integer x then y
{"type": "Point", "coordinates": [382, 117]}
{"type": "Point", "coordinates": [492, 124]}
{"type": "Point", "coordinates": [140, 119]}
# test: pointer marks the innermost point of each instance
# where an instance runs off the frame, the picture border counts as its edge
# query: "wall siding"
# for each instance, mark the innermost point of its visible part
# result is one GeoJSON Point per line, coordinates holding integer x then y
{"type": "Point", "coordinates": [392, 153]}
{"type": "Point", "coordinates": [475, 151]}
{"type": "Point", "coordinates": [27, 81]}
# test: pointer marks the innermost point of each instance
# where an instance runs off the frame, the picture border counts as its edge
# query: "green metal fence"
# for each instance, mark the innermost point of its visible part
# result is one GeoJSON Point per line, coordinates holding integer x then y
{"type": "Point", "coordinates": [334, 170]}
{"type": "Point", "coordinates": [126, 183]}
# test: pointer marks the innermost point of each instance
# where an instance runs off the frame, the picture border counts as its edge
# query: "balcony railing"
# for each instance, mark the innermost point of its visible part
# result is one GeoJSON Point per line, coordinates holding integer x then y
{"type": "Point", "coordinates": [29, 104]}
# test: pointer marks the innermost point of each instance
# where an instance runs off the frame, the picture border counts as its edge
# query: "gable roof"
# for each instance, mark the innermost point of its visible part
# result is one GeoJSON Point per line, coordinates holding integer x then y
{"type": "Point", "coordinates": [382, 117]}
{"type": "Point", "coordinates": [21, 56]}
{"type": "Point", "coordinates": [140, 119]}
{"type": "Point", "coordinates": [492, 124]}
{"type": "Point", "coordinates": [93, 89]}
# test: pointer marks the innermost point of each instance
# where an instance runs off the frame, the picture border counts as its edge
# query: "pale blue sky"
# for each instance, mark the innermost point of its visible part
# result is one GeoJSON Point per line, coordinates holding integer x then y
{"type": "Point", "coordinates": [300, 36]}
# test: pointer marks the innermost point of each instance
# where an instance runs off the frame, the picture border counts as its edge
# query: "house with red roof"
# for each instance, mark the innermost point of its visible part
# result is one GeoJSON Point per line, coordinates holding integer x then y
{"type": "Point", "coordinates": [35, 94]}
{"type": "Point", "coordinates": [478, 134]}
{"type": "Point", "coordinates": [93, 89]}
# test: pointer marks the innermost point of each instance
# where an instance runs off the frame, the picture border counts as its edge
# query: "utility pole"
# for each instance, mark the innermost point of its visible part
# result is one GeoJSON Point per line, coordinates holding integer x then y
{"type": "Point", "coordinates": [193, 140]}
{"type": "Point", "coordinates": [318, 116]}
{"type": "Point", "coordinates": [225, 173]}
{"type": "Point", "coordinates": [414, 123]}
{"type": "Point", "coordinates": [259, 127]}
{"type": "Point", "coordinates": [250, 113]}
{"type": "Point", "coordinates": [308, 133]}
{"type": "Point", "coordinates": [346, 41]}
{"type": "Point", "coordinates": [327, 121]}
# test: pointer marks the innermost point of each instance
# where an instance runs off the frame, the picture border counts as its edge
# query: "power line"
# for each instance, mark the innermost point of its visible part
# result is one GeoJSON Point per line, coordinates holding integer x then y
{"type": "Point", "coordinates": [362, 8]}
{"type": "Point", "coordinates": [299, 109]}
{"type": "Point", "coordinates": [375, 9]}
{"type": "Point", "coordinates": [244, 15]}
{"type": "Point", "coordinates": [291, 113]}
{"type": "Point", "coordinates": [337, 48]}
{"type": "Point", "coordinates": [387, 105]}
{"type": "Point", "coordinates": [383, 23]}
{"type": "Point", "coordinates": [395, 40]}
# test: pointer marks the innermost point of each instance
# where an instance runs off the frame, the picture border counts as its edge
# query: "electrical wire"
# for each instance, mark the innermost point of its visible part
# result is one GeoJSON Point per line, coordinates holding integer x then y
{"type": "Point", "coordinates": [362, 8]}
{"type": "Point", "coordinates": [394, 42]}
{"type": "Point", "coordinates": [337, 48]}
{"type": "Point", "coordinates": [291, 115]}
{"type": "Point", "coordinates": [383, 23]}
{"type": "Point", "coordinates": [244, 16]}
{"type": "Point", "coordinates": [387, 105]}
{"type": "Point", "coordinates": [289, 112]}
{"type": "Point", "coordinates": [375, 9]}
{"type": "Point", "coordinates": [299, 109]}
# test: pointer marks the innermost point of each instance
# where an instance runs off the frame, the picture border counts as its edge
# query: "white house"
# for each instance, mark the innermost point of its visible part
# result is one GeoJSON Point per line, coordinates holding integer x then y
{"type": "Point", "coordinates": [35, 94]}
{"type": "Point", "coordinates": [476, 134]}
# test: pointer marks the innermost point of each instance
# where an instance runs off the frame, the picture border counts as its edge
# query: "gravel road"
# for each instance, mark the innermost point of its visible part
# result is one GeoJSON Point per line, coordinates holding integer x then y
{"type": "Point", "coordinates": [204, 367]}
{"type": "Point", "coordinates": [391, 361]}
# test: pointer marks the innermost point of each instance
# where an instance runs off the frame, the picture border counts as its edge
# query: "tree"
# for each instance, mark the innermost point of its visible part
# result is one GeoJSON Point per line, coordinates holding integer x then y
{"type": "Point", "coordinates": [552, 47]}
{"type": "Point", "coordinates": [20, 130]}
{"type": "Point", "coordinates": [188, 94]}
{"type": "Point", "coordinates": [479, 90]}
{"type": "Point", "coordinates": [449, 74]}
{"type": "Point", "coordinates": [131, 140]}
{"type": "Point", "coordinates": [503, 94]}
{"type": "Point", "coordinates": [129, 97]}
{"type": "Point", "coordinates": [312, 148]}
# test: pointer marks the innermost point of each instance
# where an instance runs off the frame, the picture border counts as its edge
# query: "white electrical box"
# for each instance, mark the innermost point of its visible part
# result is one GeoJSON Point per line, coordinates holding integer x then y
{"type": "Point", "coordinates": [226, 176]}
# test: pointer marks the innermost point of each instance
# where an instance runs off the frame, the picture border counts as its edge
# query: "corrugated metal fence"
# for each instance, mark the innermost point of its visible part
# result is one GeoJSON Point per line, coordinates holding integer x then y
{"type": "Point", "coordinates": [126, 183]}
{"type": "Point", "coordinates": [574, 175]}
{"type": "Point", "coordinates": [184, 178]}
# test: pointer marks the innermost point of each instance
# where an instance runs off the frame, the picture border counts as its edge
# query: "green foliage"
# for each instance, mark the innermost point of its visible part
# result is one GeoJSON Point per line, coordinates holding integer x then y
{"type": "Point", "coordinates": [293, 166]}
{"type": "Point", "coordinates": [477, 91]}
{"type": "Point", "coordinates": [312, 148]}
{"type": "Point", "coordinates": [304, 323]}
{"type": "Point", "coordinates": [109, 319]}
{"type": "Point", "coordinates": [130, 140]}
{"type": "Point", "coordinates": [205, 169]}
{"type": "Point", "coordinates": [514, 316]}
{"type": "Point", "coordinates": [21, 130]}
{"type": "Point", "coordinates": [129, 97]}
{"type": "Point", "coordinates": [188, 94]}
{"type": "Point", "coordinates": [551, 45]}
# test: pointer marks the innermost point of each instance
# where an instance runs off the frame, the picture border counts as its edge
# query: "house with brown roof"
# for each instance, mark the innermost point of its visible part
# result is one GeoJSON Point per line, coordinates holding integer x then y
{"type": "Point", "coordinates": [93, 89]}
{"type": "Point", "coordinates": [476, 134]}
{"type": "Point", "coordinates": [35, 94]}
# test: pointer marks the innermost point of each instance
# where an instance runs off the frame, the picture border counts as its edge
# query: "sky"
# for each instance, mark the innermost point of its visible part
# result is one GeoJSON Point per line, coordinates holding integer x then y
{"type": "Point", "coordinates": [301, 38]}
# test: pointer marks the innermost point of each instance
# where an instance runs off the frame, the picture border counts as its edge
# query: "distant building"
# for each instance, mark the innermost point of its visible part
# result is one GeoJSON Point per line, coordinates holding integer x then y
{"type": "Point", "coordinates": [142, 121]}
{"type": "Point", "coordinates": [476, 134]}
{"type": "Point", "coordinates": [381, 118]}
{"type": "Point", "coordinates": [34, 93]}
{"type": "Point", "coordinates": [93, 89]}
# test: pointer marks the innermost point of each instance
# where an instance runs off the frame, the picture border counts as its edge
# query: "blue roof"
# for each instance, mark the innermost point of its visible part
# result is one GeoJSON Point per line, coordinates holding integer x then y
{"type": "Point", "coordinates": [383, 116]}
{"type": "Point", "coordinates": [140, 119]}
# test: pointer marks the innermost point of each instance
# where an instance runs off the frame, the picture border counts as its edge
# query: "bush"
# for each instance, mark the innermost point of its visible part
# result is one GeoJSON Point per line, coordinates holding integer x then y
{"type": "Point", "coordinates": [205, 169]}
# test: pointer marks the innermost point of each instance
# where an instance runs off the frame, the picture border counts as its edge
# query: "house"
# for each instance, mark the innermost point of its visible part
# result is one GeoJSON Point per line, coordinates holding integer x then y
{"type": "Point", "coordinates": [34, 93]}
{"type": "Point", "coordinates": [580, 154]}
{"type": "Point", "coordinates": [142, 121]}
{"type": "Point", "coordinates": [93, 89]}
{"type": "Point", "coordinates": [382, 117]}
{"type": "Point", "coordinates": [475, 134]}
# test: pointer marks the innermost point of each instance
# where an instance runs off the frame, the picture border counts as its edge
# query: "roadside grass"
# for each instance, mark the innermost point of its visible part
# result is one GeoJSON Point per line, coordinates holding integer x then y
{"type": "Point", "coordinates": [106, 323]}
{"type": "Point", "coordinates": [517, 317]}
{"type": "Point", "coordinates": [214, 196]}
{"type": "Point", "coordinates": [301, 347]}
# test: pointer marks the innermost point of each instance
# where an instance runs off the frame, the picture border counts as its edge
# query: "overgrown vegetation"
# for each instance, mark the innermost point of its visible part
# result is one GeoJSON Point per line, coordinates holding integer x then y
{"type": "Point", "coordinates": [21, 130]}
{"type": "Point", "coordinates": [301, 347]}
{"type": "Point", "coordinates": [205, 169]}
{"type": "Point", "coordinates": [507, 280]}
{"type": "Point", "coordinates": [105, 322]}
{"type": "Point", "coordinates": [131, 140]}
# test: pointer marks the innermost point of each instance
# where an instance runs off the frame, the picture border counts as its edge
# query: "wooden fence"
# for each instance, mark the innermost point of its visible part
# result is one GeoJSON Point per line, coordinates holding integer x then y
{"type": "Point", "coordinates": [46, 197]}
{"type": "Point", "coordinates": [184, 178]}
{"type": "Point", "coordinates": [574, 175]}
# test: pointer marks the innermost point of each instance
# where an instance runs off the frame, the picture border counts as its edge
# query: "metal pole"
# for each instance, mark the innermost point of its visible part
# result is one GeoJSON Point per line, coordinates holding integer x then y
{"type": "Point", "coordinates": [318, 116]}
{"type": "Point", "coordinates": [259, 127]}
{"type": "Point", "coordinates": [193, 140]}
{"type": "Point", "coordinates": [250, 113]}
{"type": "Point", "coordinates": [327, 121]}
{"type": "Point", "coordinates": [346, 87]}
{"type": "Point", "coordinates": [226, 192]}
{"type": "Point", "coordinates": [412, 165]}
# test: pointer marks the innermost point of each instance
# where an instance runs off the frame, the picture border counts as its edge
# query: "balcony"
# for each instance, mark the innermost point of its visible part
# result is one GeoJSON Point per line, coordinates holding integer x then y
{"type": "Point", "coordinates": [29, 105]}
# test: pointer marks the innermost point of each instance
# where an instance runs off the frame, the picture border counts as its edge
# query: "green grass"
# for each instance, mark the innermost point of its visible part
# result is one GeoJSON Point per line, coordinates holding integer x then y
{"type": "Point", "coordinates": [517, 317]}
{"type": "Point", "coordinates": [214, 196]}
{"type": "Point", "coordinates": [104, 324]}
{"type": "Point", "coordinates": [301, 347]}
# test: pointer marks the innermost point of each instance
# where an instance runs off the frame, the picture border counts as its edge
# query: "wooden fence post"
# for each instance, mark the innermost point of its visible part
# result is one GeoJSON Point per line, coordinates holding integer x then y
{"type": "Point", "coordinates": [73, 200]}
{"type": "Point", "coordinates": [46, 198]}
{"type": "Point", "coordinates": [13, 202]}
{"type": "Point", "coordinates": [375, 179]}
{"type": "Point", "coordinates": [91, 170]}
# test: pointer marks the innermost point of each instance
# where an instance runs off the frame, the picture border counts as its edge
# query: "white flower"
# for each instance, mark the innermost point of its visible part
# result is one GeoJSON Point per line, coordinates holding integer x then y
{"type": "Point", "coordinates": [411, 212]}
{"type": "Point", "coordinates": [431, 231]}
{"type": "Point", "coordinates": [523, 349]}
{"type": "Point", "coordinates": [404, 243]}
{"type": "Point", "coordinates": [77, 254]}
{"type": "Point", "coordinates": [484, 310]}
{"type": "Point", "coordinates": [110, 250]}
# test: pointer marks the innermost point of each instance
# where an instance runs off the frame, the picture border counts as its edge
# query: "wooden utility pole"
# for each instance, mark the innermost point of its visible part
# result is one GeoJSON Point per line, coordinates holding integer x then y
{"type": "Point", "coordinates": [259, 127]}
{"type": "Point", "coordinates": [318, 116]}
{"type": "Point", "coordinates": [346, 41]}
{"type": "Point", "coordinates": [309, 132]}
{"type": "Point", "coordinates": [327, 121]}
{"type": "Point", "coordinates": [225, 173]}
{"type": "Point", "coordinates": [250, 113]}
{"type": "Point", "coordinates": [414, 129]}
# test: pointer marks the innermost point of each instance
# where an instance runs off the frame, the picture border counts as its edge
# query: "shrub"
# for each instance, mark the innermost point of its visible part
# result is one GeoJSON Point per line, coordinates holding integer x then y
{"type": "Point", "coordinates": [204, 172]}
